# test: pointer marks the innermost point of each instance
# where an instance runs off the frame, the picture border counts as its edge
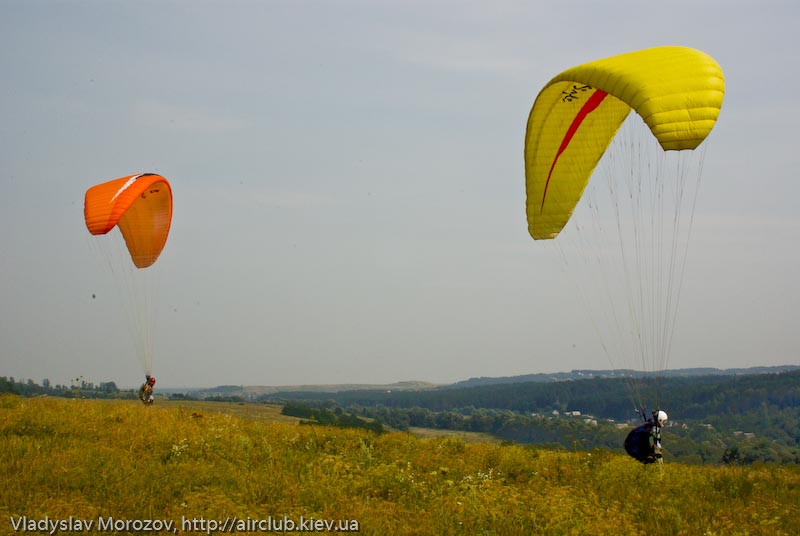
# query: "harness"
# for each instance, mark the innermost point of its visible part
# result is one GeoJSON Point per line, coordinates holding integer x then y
{"type": "Point", "coordinates": [645, 449]}
{"type": "Point", "coordinates": [656, 433]}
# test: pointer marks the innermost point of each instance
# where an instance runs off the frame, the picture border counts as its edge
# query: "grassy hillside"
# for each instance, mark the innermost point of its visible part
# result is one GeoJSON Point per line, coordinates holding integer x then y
{"type": "Point", "coordinates": [101, 459]}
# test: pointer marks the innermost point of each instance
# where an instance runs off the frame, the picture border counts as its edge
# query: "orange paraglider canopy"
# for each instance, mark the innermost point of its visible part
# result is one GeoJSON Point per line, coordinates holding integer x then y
{"type": "Point", "coordinates": [140, 205]}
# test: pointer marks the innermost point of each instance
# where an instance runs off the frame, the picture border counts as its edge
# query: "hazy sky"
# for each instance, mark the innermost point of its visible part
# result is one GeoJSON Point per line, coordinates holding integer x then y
{"type": "Point", "coordinates": [349, 186]}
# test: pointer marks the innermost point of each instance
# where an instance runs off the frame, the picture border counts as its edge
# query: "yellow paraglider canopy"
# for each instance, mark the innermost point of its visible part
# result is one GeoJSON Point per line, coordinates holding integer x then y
{"type": "Point", "coordinates": [677, 91]}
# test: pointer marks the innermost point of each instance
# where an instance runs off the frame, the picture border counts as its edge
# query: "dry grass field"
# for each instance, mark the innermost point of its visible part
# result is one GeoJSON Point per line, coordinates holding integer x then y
{"type": "Point", "coordinates": [199, 468]}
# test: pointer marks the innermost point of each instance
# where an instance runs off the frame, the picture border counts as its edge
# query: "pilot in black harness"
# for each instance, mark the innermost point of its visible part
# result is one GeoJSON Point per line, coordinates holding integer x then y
{"type": "Point", "coordinates": [644, 441]}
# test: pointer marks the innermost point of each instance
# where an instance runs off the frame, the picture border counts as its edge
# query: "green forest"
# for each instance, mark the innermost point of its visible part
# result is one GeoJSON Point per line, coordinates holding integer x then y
{"type": "Point", "coordinates": [731, 419]}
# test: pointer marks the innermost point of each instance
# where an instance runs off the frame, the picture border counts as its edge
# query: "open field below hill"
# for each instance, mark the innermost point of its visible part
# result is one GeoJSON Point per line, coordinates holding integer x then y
{"type": "Point", "coordinates": [244, 410]}
{"type": "Point", "coordinates": [272, 413]}
{"type": "Point", "coordinates": [195, 467]}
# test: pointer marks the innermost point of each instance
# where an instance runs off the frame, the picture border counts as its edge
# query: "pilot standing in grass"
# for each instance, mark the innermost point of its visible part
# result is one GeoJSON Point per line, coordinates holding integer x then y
{"type": "Point", "coordinates": [644, 441]}
{"type": "Point", "coordinates": [146, 390]}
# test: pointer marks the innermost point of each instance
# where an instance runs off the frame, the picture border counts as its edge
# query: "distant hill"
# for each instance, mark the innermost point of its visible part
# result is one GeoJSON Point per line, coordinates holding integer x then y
{"type": "Point", "coordinates": [250, 392]}
{"type": "Point", "coordinates": [619, 373]}
{"type": "Point", "coordinates": [714, 418]}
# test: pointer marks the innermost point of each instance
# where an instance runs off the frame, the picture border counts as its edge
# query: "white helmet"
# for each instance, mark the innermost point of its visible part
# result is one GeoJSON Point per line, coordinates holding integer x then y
{"type": "Point", "coordinates": [661, 417]}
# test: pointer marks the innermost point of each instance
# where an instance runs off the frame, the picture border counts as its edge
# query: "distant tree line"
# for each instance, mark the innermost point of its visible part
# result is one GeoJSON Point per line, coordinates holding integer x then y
{"type": "Point", "coordinates": [715, 419]}
{"type": "Point", "coordinates": [331, 417]}
{"type": "Point", "coordinates": [78, 388]}
{"type": "Point", "coordinates": [690, 397]}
